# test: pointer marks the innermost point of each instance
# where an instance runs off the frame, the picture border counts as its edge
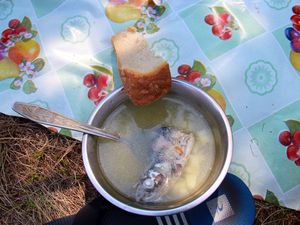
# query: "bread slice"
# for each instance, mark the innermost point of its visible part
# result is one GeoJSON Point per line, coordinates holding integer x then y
{"type": "Point", "coordinates": [145, 77]}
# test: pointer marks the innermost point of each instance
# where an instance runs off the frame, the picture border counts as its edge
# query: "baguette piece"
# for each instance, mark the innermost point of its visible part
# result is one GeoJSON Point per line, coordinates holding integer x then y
{"type": "Point", "coordinates": [145, 77]}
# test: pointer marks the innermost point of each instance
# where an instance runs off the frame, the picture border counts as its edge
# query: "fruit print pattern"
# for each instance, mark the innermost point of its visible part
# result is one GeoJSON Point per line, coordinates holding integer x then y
{"type": "Point", "coordinates": [269, 197]}
{"type": "Point", "coordinates": [100, 82]}
{"type": "Point", "coordinates": [19, 55]}
{"type": "Point", "coordinates": [62, 131]}
{"type": "Point", "coordinates": [222, 22]}
{"type": "Point", "coordinates": [198, 76]}
{"type": "Point", "coordinates": [291, 139]}
{"type": "Point", "coordinates": [293, 35]}
{"type": "Point", "coordinates": [146, 13]}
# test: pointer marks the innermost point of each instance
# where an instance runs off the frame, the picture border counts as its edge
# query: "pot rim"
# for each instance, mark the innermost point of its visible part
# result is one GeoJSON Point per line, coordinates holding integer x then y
{"type": "Point", "coordinates": [201, 198]}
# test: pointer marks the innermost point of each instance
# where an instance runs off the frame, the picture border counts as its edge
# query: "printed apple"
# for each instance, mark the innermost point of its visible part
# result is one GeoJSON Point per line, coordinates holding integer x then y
{"type": "Point", "coordinates": [24, 50]}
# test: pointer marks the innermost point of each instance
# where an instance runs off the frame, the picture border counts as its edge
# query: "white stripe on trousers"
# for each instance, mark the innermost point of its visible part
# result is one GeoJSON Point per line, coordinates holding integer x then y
{"type": "Point", "coordinates": [176, 219]}
{"type": "Point", "coordinates": [169, 222]}
{"type": "Point", "coordinates": [184, 219]}
{"type": "Point", "coordinates": [160, 222]}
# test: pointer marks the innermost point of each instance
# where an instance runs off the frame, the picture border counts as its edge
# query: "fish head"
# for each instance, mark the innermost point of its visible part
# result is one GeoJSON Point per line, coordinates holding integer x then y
{"type": "Point", "coordinates": [145, 191]}
{"type": "Point", "coordinates": [170, 151]}
{"type": "Point", "coordinates": [152, 185]}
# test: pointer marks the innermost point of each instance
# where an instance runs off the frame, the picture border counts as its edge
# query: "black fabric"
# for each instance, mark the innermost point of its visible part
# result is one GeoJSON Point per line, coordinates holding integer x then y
{"type": "Point", "coordinates": [68, 220]}
{"type": "Point", "coordinates": [101, 212]}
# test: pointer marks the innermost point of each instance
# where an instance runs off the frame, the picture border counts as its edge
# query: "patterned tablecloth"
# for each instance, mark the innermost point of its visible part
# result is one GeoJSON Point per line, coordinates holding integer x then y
{"type": "Point", "coordinates": [58, 54]}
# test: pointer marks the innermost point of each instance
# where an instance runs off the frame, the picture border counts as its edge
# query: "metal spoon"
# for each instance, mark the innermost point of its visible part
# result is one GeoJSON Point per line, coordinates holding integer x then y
{"type": "Point", "coordinates": [44, 116]}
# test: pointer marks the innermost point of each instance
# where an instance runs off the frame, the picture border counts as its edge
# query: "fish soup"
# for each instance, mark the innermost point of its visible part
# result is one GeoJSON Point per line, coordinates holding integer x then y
{"type": "Point", "coordinates": [170, 155]}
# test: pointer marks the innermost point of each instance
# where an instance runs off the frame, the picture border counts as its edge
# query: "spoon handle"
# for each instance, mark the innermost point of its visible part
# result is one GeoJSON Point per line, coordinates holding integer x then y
{"type": "Point", "coordinates": [44, 116]}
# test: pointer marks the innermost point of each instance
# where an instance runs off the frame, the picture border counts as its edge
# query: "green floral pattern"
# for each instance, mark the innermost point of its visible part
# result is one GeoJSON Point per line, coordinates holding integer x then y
{"type": "Point", "coordinates": [278, 4]}
{"type": "Point", "coordinates": [6, 8]}
{"type": "Point", "coordinates": [75, 29]}
{"type": "Point", "coordinates": [240, 171]}
{"type": "Point", "coordinates": [167, 49]}
{"type": "Point", "coordinates": [261, 77]}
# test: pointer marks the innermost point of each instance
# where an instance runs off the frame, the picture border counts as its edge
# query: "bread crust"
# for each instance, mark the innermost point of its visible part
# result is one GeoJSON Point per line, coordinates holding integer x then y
{"type": "Point", "coordinates": [148, 87]}
{"type": "Point", "coordinates": [144, 88]}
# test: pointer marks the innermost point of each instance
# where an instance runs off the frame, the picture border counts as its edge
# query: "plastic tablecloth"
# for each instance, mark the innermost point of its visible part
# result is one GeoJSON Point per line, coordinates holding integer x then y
{"type": "Point", "coordinates": [58, 54]}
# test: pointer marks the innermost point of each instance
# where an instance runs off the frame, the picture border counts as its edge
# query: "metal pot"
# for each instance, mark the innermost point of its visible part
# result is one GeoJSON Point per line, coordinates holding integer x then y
{"type": "Point", "coordinates": [223, 142]}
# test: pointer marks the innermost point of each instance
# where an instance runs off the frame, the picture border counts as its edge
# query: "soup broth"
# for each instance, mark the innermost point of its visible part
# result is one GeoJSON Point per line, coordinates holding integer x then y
{"type": "Point", "coordinates": [124, 164]}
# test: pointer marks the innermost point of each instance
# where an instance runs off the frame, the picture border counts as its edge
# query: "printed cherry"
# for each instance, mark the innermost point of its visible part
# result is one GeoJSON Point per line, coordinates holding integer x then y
{"type": "Point", "coordinates": [226, 18]}
{"type": "Point", "coordinates": [101, 95]}
{"type": "Point", "coordinates": [287, 33]}
{"type": "Point", "coordinates": [93, 93]}
{"type": "Point", "coordinates": [14, 23]}
{"type": "Point", "coordinates": [227, 34]}
{"type": "Point", "coordinates": [53, 129]}
{"type": "Point", "coordinates": [285, 138]}
{"type": "Point", "coordinates": [295, 44]}
{"type": "Point", "coordinates": [210, 19]}
{"type": "Point", "coordinates": [291, 33]}
{"type": "Point", "coordinates": [181, 77]}
{"type": "Point", "coordinates": [19, 30]}
{"type": "Point", "coordinates": [102, 81]}
{"type": "Point", "coordinates": [184, 69]}
{"type": "Point", "coordinates": [296, 138]}
{"type": "Point", "coordinates": [192, 76]}
{"type": "Point", "coordinates": [297, 162]}
{"type": "Point", "coordinates": [221, 24]}
{"type": "Point", "coordinates": [258, 197]}
{"type": "Point", "coordinates": [295, 19]}
{"type": "Point", "coordinates": [293, 152]}
{"type": "Point", "coordinates": [297, 27]}
{"type": "Point", "coordinates": [294, 34]}
{"type": "Point", "coordinates": [89, 80]}
{"type": "Point", "coordinates": [296, 9]}
{"type": "Point", "coordinates": [4, 40]}
{"type": "Point", "coordinates": [8, 32]}
{"type": "Point", "coordinates": [218, 30]}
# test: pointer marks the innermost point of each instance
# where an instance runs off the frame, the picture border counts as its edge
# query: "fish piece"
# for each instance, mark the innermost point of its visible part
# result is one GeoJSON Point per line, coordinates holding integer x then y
{"type": "Point", "coordinates": [171, 149]}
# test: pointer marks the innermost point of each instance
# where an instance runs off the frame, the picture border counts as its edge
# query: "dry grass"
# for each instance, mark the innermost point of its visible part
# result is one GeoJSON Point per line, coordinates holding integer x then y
{"type": "Point", "coordinates": [42, 177]}
{"type": "Point", "coordinates": [268, 214]}
{"type": "Point", "coordinates": [41, 173]}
